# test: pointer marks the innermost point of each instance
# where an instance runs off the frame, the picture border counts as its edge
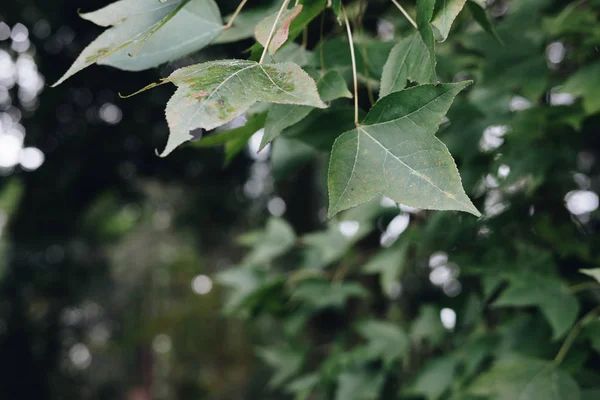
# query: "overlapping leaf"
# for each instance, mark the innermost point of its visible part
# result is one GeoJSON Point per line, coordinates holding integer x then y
{"type": "Point", "coordinates": [213, 93]}
{"type": "Point", "coordinates": [409, 60]}
{"type": "Point", "coordinates": [447, 12]}
{"type": "Point", "coordinates": [394, 152]}
{"type": "Point", "coordinates": [147, 33]}
{"type": "Point", "coordinates": [331, 86]}
{"type": "Point", "coordinates": [281, 30]}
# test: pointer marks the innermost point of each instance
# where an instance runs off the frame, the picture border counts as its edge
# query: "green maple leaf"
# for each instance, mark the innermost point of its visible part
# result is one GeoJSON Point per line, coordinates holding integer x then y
{"type": "Point", "coordinates": [140, 30]}
{"type": "Point", "coordinates": [394, 153]}
{"type": "Point", "coordinates": [211, 94]}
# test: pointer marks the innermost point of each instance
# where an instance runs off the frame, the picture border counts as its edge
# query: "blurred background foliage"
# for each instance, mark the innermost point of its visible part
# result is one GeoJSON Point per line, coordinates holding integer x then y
{"type": "Point", "coordinates": [127, 276]}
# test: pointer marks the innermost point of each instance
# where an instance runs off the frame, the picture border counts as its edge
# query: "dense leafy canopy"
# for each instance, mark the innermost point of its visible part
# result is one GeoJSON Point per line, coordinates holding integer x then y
{"type": "Point", "coordinates": [527, 326]}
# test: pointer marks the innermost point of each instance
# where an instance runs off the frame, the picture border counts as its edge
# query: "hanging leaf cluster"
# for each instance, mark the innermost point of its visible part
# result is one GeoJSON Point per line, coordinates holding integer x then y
{"type": "Point", "coordinates": [386, 116]}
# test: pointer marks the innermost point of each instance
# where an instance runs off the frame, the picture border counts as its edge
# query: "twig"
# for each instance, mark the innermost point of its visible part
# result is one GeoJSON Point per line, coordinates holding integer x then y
{"type": "Point", "coordinates": [564, 349]}
{"type": "Point", "coordinates": [403, 11]}
{"type": "Point", "coordinates": [349, 30]}
{"type": "Point", "coordinates": [235, 14]}
{"type": "Point", "coordinates": [273, 29]}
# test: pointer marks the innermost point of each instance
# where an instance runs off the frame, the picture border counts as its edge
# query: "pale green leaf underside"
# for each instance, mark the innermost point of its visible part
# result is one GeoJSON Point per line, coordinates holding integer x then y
{"type": "Point", "coordinates": [409, 60]}
{"type": "Point", "coordinates": [519, 378]}
{"type": "Point", "coordinates": [331, 86]}
{"type": "Point", "coordinates": [281, 31]}
{"type": "Point", "coordinates": [211, 94]}
{"type": "Point", "coordinates": [594, 273]}
{"type": "Point", "coordinates": [395, 153]}
{"type": "Point", "coordinates": [447, 13]}
{"type": "Point", "coordinates": [147, 33]}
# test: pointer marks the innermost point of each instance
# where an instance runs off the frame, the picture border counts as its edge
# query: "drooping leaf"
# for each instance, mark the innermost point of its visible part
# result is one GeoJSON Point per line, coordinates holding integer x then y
{"type": "Point", "coordinates": [214, 93]}
{"type": "Point", "coordinates": [559, 306]}
{"type": "Point", "coordinates": [141, 28]}
{"type": "Point", "coordinates": [385, 340]}
{"type": "Point", "coordinates": [394, 153]}
{"type": "Point", "coordinates": [409, 60]}
{"type": "Point", "coordinates": [331, 86]}
{"type": "Point", "coordinates": [281, 30]}
{"type": "Point", "coordinates": [424, 15]}
{"type": "Point", "coordinates": [447, 12]}
{"type": "Point", "coordinates": [277, 239]}
{"type": "Point", "coordinates": [586, 84]}
{"type": "Point", "coordinates": [518, 378]}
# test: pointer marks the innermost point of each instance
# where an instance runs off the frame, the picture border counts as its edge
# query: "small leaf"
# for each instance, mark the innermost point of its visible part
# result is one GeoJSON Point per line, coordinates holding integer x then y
{"type": "Point", "coordinates": [445, 16]}
{"type": "Point", "coordinates": [359, 385]}
{"type": "Point", "coordinates": [394, 153]}
{"type": "Point", "coordinates": [385, 340]}
{"type": "Point", "coordinates": [594, 273]}
{"type": "Point", "coordinates": [277, 239]}
{"type": "Point", "coordinates": [281, 30]}
{"type": "Point", "coordinates": [141, 28]}
{"type": "Point", "coordinates": [409, 60]}
{"type": "Point", "coordinates": [214, 93]}
{"type": "Point", "coordinates": [515, 377]}
{"type": "Point", "coordinates": [428, 326]}
{"type": "Point", "coordinates": [331, 86]}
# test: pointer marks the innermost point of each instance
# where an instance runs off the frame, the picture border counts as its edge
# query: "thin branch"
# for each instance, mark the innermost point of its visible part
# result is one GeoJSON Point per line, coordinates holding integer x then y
{"type": "Point", "coordinates": [350, 38]}
{"type": "Point", "coordinates": [564, 349]}
{"type": "Point", "coordinates": [273, 29]}
{"type": "Point", "coordinates": [403, 11]}
{"type": "Point", "coordinates": [235, 14]}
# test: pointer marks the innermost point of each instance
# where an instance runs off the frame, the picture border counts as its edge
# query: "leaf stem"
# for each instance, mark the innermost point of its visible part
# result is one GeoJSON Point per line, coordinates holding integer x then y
{"type": "Point", "coordinates": [564, 349]}
{"type": "Point", "coordinates": [273, 29]}
{"type": "Point", "coordinates": [354, 74]}
{"type": "Point", "coordinates": [403, 11]}
{"type": "Point", "coordinates": [235, 14]}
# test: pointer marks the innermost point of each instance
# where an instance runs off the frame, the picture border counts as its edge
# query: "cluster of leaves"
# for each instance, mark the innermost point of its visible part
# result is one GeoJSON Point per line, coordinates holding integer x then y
{"type": "Point", "coordinates": [358, 321]}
